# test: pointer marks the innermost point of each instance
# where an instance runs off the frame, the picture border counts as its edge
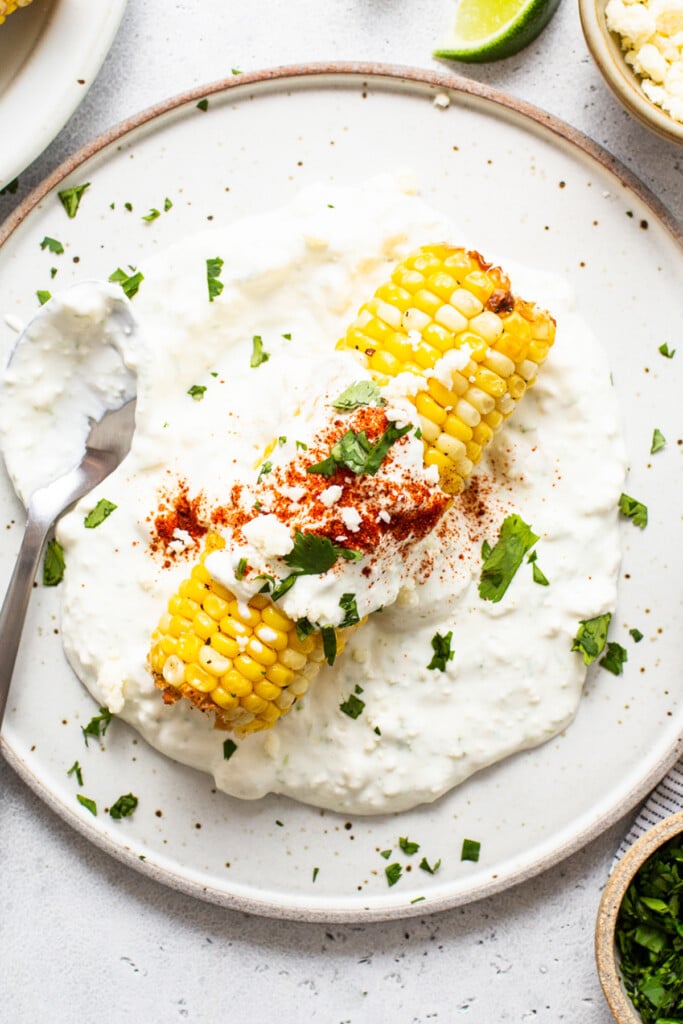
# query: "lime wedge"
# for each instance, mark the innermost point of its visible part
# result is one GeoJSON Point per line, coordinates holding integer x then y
{"type": "Point", "coordinates": [492, 29]}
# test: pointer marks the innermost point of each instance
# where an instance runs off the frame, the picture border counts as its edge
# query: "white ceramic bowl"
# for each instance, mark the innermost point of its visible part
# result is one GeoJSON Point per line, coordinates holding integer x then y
{"type": "Point", "coordinates": [605, 950]}
{"type": "Point", "coordinates": [619, 76]}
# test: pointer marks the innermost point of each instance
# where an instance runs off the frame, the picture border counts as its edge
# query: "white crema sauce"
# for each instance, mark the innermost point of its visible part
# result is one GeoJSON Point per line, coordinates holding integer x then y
{"type": "Point", "coordinates": [296, 278]}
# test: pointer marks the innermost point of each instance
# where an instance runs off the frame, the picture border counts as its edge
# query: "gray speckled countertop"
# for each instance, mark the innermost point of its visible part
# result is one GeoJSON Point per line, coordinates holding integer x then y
{"type": "Point", "coordinates": [84, 938]}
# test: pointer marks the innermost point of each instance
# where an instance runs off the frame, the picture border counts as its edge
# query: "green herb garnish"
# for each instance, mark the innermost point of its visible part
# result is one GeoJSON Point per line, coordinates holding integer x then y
{"type": "Point", "coordinates": [591, 637]}
{"type": "Point", "coordinates": [129, 282]}
{"type": "Point", "coordinates": [363, 392]}
{"type": "Point", "coordinates": [53, 564]}
{"type": "Point", "coordinates": [539, 576]}
{"type": "Point", "coordinates": [329, 643]}
{"type": "Point", "coordinates": [636, 634]}
{"type": "Point", "coordinates": [98, 725]}
{"type": "Point", "coordinates": [658, 441]}
{"type": "Point", "coordinates": [266, 468]}
{"type": "Point", "coordinates": [241, 569]}
{"type": "Point", "coordinates": [124, 807]}
{"type": "Point", "coordinates": [258, 353]}
{"type": "Point", "coordinates": [393, 873]}
{"type": "Point", "coordinates": [504, 559]}
{"type": "Point", "coordinates": [313, 554]}
{"type": "Point", "coordinates": [43, 296]}
{"type": "Point", "coordinates": [633, 510]}
{"type": "Point", "coordinates": [167, 205]}
{"type": "Point", "coordinates": [213, 271]}
{"type": "Point", "coordinates": [352, 706]}
{"type": "Point", "coordinates": [441, 645]}
{"type": "Point", "coordinates": [76, 770]}
{"type": "Point", "coordinates": [386, 854]}
{"type": "Point", "coordinates": [355, 452]}
{"type": "Point", "coordinates": [614, 659]}
{"type": "Point", "coordinates": [431, 869]}
{"type": "Point", "coordinates": [52, 245]}
{"type": "Point", "coordinates": [203, 105]}
{"type": "Point", "coordinates": [407, 846]}
{"type": "Point", "coordinates": [98, 514]}
{"type": "Point", "coordinates": [347, 603]}
{"type": "Point", "coordinates": [304, 627]}
{"type": "Point", "coordinates": [152, 215]}
{"type": "Point", "coordinates": [666, 351]}
{"type": "Point", "coordinates": [197, 391]}
{"type": "Point", "coordinates": [71, 197]}
{"type": "Point", "coordinates": [315, 873]}
{"type": "Point", "coordinates": [470, 849]}
{"type": "Point", "coordinates": [86, 802]}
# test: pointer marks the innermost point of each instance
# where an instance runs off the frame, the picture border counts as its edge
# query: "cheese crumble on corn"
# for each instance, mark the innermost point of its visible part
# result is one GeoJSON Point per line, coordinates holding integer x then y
{"type": "Point", "coordinates": [446, 316]}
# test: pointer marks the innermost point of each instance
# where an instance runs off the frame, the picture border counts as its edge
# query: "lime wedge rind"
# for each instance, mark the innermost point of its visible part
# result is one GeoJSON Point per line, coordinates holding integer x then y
{"type": "Point", "coordinates": [510, 39]}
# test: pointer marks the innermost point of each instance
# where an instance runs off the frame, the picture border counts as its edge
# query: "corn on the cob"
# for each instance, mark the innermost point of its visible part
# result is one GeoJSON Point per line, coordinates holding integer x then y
{"type": "Point", "coordinates": [442, 299]}
{"type": "Point", "coordinates": [247, 663]}
{"type": "Point", "coordinates": [8, 7]}
{"type": "Point", "coordinates": [244, 662]}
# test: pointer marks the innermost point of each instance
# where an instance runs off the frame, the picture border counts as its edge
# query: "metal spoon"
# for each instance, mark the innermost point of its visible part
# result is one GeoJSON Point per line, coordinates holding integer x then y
{"type": "Point", "coordinates": [107, 443]}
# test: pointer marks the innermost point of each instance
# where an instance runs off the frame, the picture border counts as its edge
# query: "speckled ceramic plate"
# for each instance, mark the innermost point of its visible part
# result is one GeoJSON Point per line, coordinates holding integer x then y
{"type": "Point", "coordinates": [50, 53]}
{"type": "Point", "coordinates": [519, 182]}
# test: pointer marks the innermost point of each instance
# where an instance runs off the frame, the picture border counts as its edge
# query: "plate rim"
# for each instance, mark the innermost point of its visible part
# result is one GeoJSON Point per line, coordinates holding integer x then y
{"type": "Point", "coordinates": [464, 88]}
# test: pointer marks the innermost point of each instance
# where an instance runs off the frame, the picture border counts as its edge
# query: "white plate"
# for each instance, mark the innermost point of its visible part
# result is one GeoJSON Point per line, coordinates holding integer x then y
{"type": "Point", "coordinates": [50, 53]}
{"type": "Point", "coordinates": [518, 183]}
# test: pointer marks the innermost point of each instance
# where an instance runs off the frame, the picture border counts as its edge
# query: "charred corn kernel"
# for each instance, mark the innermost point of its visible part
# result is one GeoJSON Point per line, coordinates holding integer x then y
{"type": "Point", "coordinates": [243, 661]}
{"type": "Point", "coordinates": [8, 7]}
{"type": "Point", "coordinates": [442, 298]}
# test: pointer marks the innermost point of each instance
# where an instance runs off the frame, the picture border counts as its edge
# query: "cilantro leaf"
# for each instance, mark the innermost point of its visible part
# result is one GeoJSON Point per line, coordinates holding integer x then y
{"type": "Point", "coordinates": [304, 628]}
{"type": "Point", "coordinates": [505, 557]}
{"type": "Point", "coordinates": [386, 854]}
{"type": "Point", "coordinates": [70, 198]}
{"type": "Point", "coordinates": [431, 869]}
{"type": "Point", "coordinates": [266, 468]}
{"type": "Point", "coordinates": [666, 351]}
{"type": "Point", "coordinates": [614, 658]}
{"type": "Point", "coordinates": [258, 353]}
{"type": "Point", "coordinates": [441, 646]}
{"type": "Point", "coordinates": [152, 215]}
{"type": "Point", "coordinates": [539, 576]}
{"type": "Point", "coordinates": [203, 105]}
{"type": "Point", "coordinates": [363, 392]}
{"type": "Point", "coordinates": [591, 637]}
{"type": "Point", "coordinates": [329, 643]}
{"type": "Point", "coordinates": [197, 391]}
{"type": "Point", "coordinates": [470, 849]}
{"type": "Point", "coordinates": [130, 283]}
{"type": "Point", "coordinates": [98, 514]}
{"type": "Point", "coordinates": [76, 770]}
{"type": "Point", "coordinates": [347, 603]}
{"type": "Point", "coordinates": [229, 748]}
{"type": "Point", "coordinates": [658, 441]}
{"type": "Point", "coordinates": [98, 725]}
{"type": "Point", "coordinates": [86, 802]}
{"type": "Point", "coordinates": [53, 564]}
{"type": "Point", "coordinates": [352, 706]}
{"type": "Point", "coordinates": [313, 554]}
{"type": "Point", "coordinates": [124, 807]}
{"type": "Point", "coordinates": [43, 296]}
{"type": "Point", "coordinates": [52, 245]}
{"type": "Point", "coordinates": [633, 510]}
{"type": "Point", "coordinates": [636, 634]}
{"type": "Point", "coordinates": [393, 873]}
{"type": "Point", "coordinates": [355, 452]}
{"type": "Point", "coordinates": [213, 271]}
{"type": "Point", "coordinates": [407, 846]}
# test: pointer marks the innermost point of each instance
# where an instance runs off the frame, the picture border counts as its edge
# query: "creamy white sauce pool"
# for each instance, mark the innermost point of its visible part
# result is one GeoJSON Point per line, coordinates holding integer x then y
{"type": "Point", "coordinates": [513, 682]}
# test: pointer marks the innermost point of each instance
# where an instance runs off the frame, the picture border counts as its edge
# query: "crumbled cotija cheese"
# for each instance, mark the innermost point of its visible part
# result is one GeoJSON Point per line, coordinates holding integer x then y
{"type": "Point", "coordinates": [651, 35]}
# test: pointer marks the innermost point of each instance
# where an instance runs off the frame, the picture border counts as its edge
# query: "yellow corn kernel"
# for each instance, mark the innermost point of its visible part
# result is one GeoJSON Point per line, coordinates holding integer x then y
{"type": "Point", "coordinates": [198, 679]}
{"type": "Point", "coordinates": [188, 647]}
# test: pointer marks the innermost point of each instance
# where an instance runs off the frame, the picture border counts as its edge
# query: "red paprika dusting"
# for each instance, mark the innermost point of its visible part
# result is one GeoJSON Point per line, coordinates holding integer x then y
{"type": "Point", "coordinates": [177, 511]}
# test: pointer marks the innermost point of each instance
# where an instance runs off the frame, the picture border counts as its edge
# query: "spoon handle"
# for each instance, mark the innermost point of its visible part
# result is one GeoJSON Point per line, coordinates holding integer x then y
{"type": "Point", "coordinates": [16, 601]}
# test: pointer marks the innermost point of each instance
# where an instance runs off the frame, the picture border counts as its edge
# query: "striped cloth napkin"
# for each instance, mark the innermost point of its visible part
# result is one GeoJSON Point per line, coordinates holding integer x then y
{"type": "Point", "coordinates": [665, 800]}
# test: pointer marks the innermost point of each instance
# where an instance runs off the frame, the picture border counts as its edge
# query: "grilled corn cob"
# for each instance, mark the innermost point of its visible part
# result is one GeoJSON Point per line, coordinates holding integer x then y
{"type": "Point", "coordinates": [442, 299]}
{"type": "Point", "coordinates": [8, 7]}
{"type": "Point", "coordinates": [247, 663]}
{"type": "Point", "coordinates": [244, 662]}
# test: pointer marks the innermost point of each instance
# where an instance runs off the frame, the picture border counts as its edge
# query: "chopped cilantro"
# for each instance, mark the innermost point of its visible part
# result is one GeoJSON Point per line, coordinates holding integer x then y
{"type": "Point", "coordinates": [203, 105]}
{"type": "Point", "coordinates": [377, 731]}
{"type": "Point", "coordinates": [229, 748]}
{"type": "Point", "coordinates": [486, 550]}
{"type": "Point", "coordinates": [52, 245]}
{"type": "Point", "coordinates": [43, 296]}
{"type": "Point", "coordinates": [315, 873]}
{"type": "Point", "coordinates": [152, 215]}
{"type": "Point", "coordinates": [470, 849]}
{"type": "Point", "coordinates": [313, 554]}
{"type": "Point", "coordinates": [86, 802]}
{"type": "Point", "coordinates": [129, 282]}
{"type": "Point", "coordinates": [419, 899]}
{"type": "Point", "coordinates": [53, 564]}
{"type": "Point", "coordinates": [304, 628]}
{"type": "Point", "coordinates": [352, 706]}
{"type": "Point", "coordinates": [129, 207]}
{"type": "Point", "coordinates": [124, 807]}
{"type": "Point", "coordinates": [393, 873]}
{"type": "Point", "coordinates": [407, 846]}
{"type": "Point", "coordinates": [76, 770]}
{"type": "Point", "coordinates": [98, 514]}
{"type": "Point", "coordinates": [636, 634]}
{"type": "Point", "coordinates": [329, 643]}
{"type": "Point", "coordinates": [167, 205]}
{"type": "Point", "coordinates": [614, 658]}
{"type": "Point", "coordinates": [282, 440]}
{"type": "Point", "coordinates": [347, 603]}
{"type": "Point", "coordinates": [98, 725]}
{"type": "Point", "coordinates": [431, 869]}
{"type": "Point", "coordinates": [197, 391]}
{"type": "Point", "coordinates": [355, 452]}
{"type": "Point", "coordinates": [666, 351]}
{"type": "Point", "coordinates": [633, 510]}
{"type": "Point", "coordinates": [241, 569]}
{"type": "Point", "coordinates": [70, 198]}
{"type": "Point", "coordinates": [301, 446]}
{"type": "Point", "coordinates": [266, 468]}
{"type": "Point", "coordinates": [441, 645]}
{"type": "Point", "coordinates": [53, 272]}
{"type": "Point", "coordinates": [258, 353]}
{"type": "Point", "coordinates": [591, 637]}
{"type": "Point", "coordinates": [658, 441]}
{"type": "Point", "coordinates": [213, 272]}
{"type": "Point", "coordinates": [281, 588]}
{"type": "Point", "coordinates": [363, 392]}
{"type": "Point", "coordinates": [505, 557]}
{"type": "Point", "coordinates": [538, 575]}
{"type": "Point", "coordinates": [386, 854]}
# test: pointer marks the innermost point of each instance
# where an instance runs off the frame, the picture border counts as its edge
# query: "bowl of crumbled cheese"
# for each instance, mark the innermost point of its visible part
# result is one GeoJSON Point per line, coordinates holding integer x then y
{"type": "Point", "coordinates": [638, 47]}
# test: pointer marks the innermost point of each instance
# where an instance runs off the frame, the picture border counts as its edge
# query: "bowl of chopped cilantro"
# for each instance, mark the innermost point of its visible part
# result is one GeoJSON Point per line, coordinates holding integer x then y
{"type": "Point", "coordinates": [639, 931]}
